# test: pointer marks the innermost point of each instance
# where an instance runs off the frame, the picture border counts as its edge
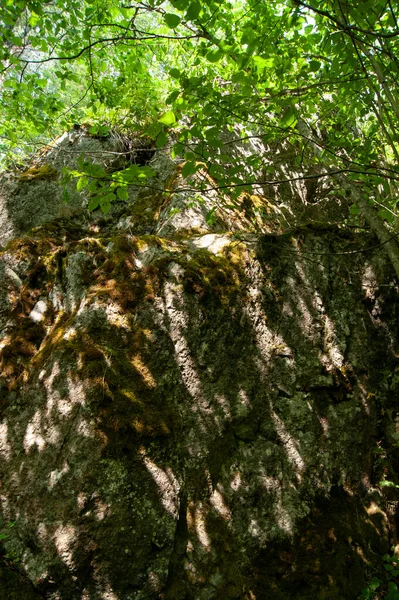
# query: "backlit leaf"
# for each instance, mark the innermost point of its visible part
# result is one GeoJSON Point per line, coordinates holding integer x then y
{"type": "Point", "coordinates": [172, 20]}
{"type": "Point", "coordinates": [168, 118]}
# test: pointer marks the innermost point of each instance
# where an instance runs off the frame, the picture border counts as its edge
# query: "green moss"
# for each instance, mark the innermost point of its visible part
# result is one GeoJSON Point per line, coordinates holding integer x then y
{"type": "Point", "coordinates": [43, 172]}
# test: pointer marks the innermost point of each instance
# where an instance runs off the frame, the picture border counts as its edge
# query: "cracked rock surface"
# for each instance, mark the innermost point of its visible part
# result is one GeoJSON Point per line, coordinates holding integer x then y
{"type": "Point", "coordinates": [192, 412]}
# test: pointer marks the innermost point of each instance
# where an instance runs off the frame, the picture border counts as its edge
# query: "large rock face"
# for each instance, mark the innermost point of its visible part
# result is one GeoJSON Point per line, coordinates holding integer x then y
{"type": "Point", "coordinates": [194, 412]}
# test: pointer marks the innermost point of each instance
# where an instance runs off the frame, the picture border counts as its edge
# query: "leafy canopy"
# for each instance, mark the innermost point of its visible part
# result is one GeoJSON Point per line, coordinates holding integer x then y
{"type": "Point", "coordinates": [321, 74]}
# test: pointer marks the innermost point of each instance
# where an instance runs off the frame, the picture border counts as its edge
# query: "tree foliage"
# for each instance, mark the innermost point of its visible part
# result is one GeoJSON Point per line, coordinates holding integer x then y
{"type": "Point", "coordinates": [321, 74]}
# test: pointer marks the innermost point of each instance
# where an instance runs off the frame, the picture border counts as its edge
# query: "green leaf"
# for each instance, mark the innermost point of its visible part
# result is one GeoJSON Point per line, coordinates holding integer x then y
{"type": "Point", "coordinates": [175, 73]}
{"type": "Point", "coordinates": [17, 41]}
{"type": "Point", "coordinates": [42, 82]}
{"type": "Point", "coordinates": [216, 171]}
{"type": "Point", "coordinates": [168, 118]}
{"type": "Point", "coordinates": [172, 97]}
{"type": "Point", "coordinates": [289, 118]}
{"type": "Point", "coordinates": [177, 150]}
{"type": "Point", "coordinates": [122, 193]}
{"type": "Point", "coordinates": [179, 4]}
{"type": "Point", "coordinates": [94, 202]}
{"type": "Point", "coordinates": [314, 65]}
{"type": "Point", "coordinates": [386, 483]}
{"type": "Point", "coordinates": [210, 216]}
{"type": "Point", "coordinates": [94, 170]}
{"type": "Point", "coordinates": [145, 172]}
{"type": "Point", "coordinates": [263, 63]}
{"type": "Point", "coordinates": [129, 174]}
{"type": "Point", "coordinates": [10, 83]}
{"type": "Point", "coordinates": [171, 20]}
{"type": "Point", "coordinates": [82, 183]}
{"type": "Point", "coordinates": [214, 56]}
{"type": "Point", "coordinates": [188, 169]}
{"type": "Point", "coordinates": [246, 90]}
{"type": "Point", "coordinates": [33, 20]}
{"type": "Point", "coordinates": [387, 215]}
{"type": "Point", "coordinates": [161, 139]}
{"type": "Point", "coordinates": [239, 77]}
{"type": "Point", "coordinates": [393, 593]}
{"type": "Point", "coordinates": [110, 197]}
{"type": "Point", "coordinates": [208, 110]}
{"type": "Point", "coordinates": [193, 11]}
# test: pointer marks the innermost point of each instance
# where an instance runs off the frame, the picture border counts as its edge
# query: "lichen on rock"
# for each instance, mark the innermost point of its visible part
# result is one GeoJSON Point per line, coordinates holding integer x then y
{"type": "Point", "coordinates": [192, 413]}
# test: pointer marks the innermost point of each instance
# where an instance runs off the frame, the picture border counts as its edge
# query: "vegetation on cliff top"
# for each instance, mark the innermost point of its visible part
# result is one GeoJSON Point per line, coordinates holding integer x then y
{"type": "Point", "coordinates": [322, 75]}
{"type": "Point", "coordinates": [212, 63]}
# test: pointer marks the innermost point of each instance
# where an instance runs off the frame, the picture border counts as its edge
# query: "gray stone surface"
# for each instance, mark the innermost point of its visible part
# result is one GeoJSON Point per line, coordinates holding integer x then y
{"type": "Point", "coordinates": [193, 414]}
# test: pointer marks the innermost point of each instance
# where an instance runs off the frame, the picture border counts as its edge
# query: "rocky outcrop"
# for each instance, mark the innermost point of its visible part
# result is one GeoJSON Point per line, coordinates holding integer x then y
{"type": "Point", "coordinates": [194, 410]}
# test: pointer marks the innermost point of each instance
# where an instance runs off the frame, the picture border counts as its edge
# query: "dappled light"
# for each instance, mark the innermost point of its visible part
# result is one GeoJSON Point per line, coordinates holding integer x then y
{"type": "Point", "coordinates": [190, 416]}
{"type": "Point", "coordinates": [199, 265]}
{"type": "Point", "coordinates": [102, 398]}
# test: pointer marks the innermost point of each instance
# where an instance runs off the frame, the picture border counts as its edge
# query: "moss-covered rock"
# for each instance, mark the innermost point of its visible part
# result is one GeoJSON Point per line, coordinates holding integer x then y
{"type": "Point", "coordinates": [191, 414]}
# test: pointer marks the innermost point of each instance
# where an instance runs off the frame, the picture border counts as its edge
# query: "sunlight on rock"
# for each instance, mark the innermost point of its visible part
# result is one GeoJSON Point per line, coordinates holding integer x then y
{"type": "Point", "coordinates": [204, 395]}
{"type": "Point", "coordinates": [212, 242]}
{"type": "Point", "coordinates": [55, 371]}
{"type": "Point", "coordinates": [243, 398]}
{"type": "Point", "coordinates": [270, 483]}
{"type": "Point", "coordinates": [364, 398]}
{"type": "Point", "coordinates": [254, 528]}
{"type": "Point", "coordinates": [324, 424]}
{"type": "Point", "coordinates": [54, 400]}
{"type": "Point", "coordinates": [5, 507]}
{"type": "Point", "coordinates": [167, 484]}
{"type": "Point", "coordinates": [144, 371]}
{"type": "Point", "coordinates": [196, 521]}
{"type": "Point", "coordinates": [298, 187]}
{"type": "Point", "coordinates": [81, 500]}
{"type": "Point", "coordinates": [108, 593]}
{"type": "Point", "coordinates": [33, 435]}
{"type": "Point", "coordinates": [333, 356]}
{"type": "Point", "coordinates": [314, 300]}
{"type": "Point", "coordinates": [101, 510]}
{"type": "Point", "coordinates": [11, 277]}
{"type": "Point", "coordinates": [289, 443]}
{"type": "Point", "coordinates": [84, 429]}
{"type": "Point", "coordinates": [225, 406]}
{"type": "Point", "coordinates": [219, 504]}
{"type": "Point", "coordinates": [43, 532]}
{"type": "Point", "coordinates": [176, 271]}
{"type": "Point", "coordinates": [38, 312]}
{"type": "Point", "coordinates": [5, 446]}
{"type": "Point", "coordinates": [306, 318]}
{"type": "Point", "coordinates": [235, 484]}
{"type": "Point", "coordinates": [64, 407]}
{"type": "Point", "coordinates": [263, 335]}
{"type": "Point", "coordinates": [154, 584]}
{"type": "Point", "coordinates": [76, 390]}
{"type": "Point", "coordinates": [53, 433]}
{"type": "Point", "coordinates": [70, 333]}
{"type": "Point", "coordinates": [274, 486]}
{"type": "Point", "coordinates": [105, 591]}
{"type": "Point", "coordinates": [63, 538]}
{"type": "Point", "coordinates": [283, 518]}
{"type": "Point", "coordinates": [177, 323]}
{"type": "Point", "coordinates": [369, 282]}
{"type": "Point", "coordinates": [116, 316]}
